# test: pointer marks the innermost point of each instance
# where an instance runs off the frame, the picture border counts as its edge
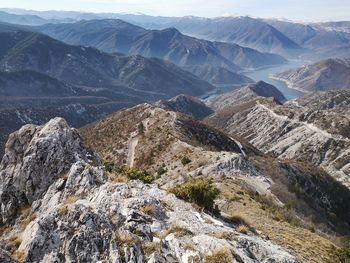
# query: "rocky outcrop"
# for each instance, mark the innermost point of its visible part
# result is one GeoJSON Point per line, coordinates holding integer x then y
{"type": "Point", "coordinates": [35, 157]}
{"type": "Point", "coordinates": [78, 214]}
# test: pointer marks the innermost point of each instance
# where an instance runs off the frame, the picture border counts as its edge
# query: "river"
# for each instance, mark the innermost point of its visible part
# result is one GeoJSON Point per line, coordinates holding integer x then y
{"type": "Point", "coordinates": [265, 73]}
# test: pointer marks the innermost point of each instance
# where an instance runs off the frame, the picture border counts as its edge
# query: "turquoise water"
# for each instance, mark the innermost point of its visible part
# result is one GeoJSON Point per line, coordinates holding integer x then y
{"type": "Point", "coordinates": [264, 74]}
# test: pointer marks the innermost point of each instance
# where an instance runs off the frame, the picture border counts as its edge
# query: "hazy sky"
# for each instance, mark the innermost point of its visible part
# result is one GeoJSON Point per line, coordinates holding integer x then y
{"type": "Point", "coordinates": [292, 9]}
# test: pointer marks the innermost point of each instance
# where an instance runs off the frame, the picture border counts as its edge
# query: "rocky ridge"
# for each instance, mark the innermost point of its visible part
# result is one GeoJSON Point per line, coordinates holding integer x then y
{"type": "Point", "coordinates": [63, 207]}
{"type": "Point", "coordinates": [312, 128]}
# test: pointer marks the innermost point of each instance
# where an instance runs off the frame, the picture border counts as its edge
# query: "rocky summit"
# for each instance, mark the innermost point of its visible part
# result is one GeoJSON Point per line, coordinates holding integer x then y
{"type": "Point", "coordinates": [59, 205]}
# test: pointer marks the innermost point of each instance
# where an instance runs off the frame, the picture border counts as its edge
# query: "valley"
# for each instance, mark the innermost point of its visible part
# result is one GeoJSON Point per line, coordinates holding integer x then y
{"type": "Point", "coordinates": [136, 138]}
{"type": "Point", "coordinates": [265, 74]}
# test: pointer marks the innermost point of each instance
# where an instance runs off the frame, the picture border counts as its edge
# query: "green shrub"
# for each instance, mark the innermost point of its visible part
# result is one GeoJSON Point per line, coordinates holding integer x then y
{"type": "Point", "coordinates": [133, 173]}
{"type": "Point", "coordinates": [109, 165]}
{"type": "Point", "coordinates": [161, 171]}
{"type": "Point", "coordinates": [141, 128]}
{"type": "Point", "coordinates": [185, 160]}
{"type": "Point", "coordinates": [201, 192]}
{"type": "Point", "coordinates": [343, 255]}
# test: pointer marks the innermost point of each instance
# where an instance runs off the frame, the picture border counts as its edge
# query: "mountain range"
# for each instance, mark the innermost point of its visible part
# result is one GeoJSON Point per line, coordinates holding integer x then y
{"type": "Point", "coordinates": [169, 44]}
{"type": "Point", "coordinates": [330, 74]}
{"type": "Point", "coordinates": [313, 40]}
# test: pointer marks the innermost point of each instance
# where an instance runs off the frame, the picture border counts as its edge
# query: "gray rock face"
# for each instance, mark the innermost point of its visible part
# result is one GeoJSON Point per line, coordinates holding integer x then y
{"type": "Point", "coordinates": [34, 157]}
{"type": "Point", "coordinates": [313, 128]}
{"type": "Point", "coordinates": [83, 216]}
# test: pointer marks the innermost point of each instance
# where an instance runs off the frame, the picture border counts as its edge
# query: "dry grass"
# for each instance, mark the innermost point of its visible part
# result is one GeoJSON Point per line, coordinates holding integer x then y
{"type": "Point", "coordinates": [26, 216]}
{"type": "Point", "coordinates": [239, 219]}
{"type": "Point", "coordinates": [4, 230]}
{"type": "Point", "coordinates": [222, 255]}
{"type": "Point", "coordinates": [149, 210]}
{"type": "Point", "coordinates": [14, 243]}
{"type": "Point", "coordinates": [19, 256]}
{"type": "Point", "coordinates": [117, 178]}
{"type": "Point", "coordinates": [126, 239]}
{"type": "Point", "coordinates": [225, 235]}
{"type": "Point", "coordinates": [62, 211]}
{"type": "Point", "coordinates": [167, 206]}
{"type": "Point", "coordinates": [307, 246]}
{"type": "Point", "coordinates": [176, 230]}
{"type": "Point", "coordinates": [72, 199]}
{"type": "Point", "coordinates": [151, 247]}
{"type": "Point", "coordinates": [242, 229]}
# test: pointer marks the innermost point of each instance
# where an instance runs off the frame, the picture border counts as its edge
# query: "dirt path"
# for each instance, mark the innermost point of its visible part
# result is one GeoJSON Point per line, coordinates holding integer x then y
{"type": "Point", "coordinates": [134, 139]}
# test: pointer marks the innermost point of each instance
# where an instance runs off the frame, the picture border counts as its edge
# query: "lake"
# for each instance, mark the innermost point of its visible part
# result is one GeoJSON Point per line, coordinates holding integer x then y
{"type": "Point", "coordinates": [265, 73]}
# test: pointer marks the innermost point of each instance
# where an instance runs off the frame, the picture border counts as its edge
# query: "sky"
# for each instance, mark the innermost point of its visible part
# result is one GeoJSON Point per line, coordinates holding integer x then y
{"type": "Point", "coordinates": [298, 10]}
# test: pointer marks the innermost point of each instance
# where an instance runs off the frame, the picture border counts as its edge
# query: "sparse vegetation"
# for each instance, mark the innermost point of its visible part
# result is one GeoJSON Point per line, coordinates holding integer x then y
{"type": "Point", "coordinates": [126, 238]}
{"type": "Point", "coordinates": [201, 192]}
{"type": "Point", "coordinates": [133, 173]}
{"type": "Point", "coordinates": [239, 219]}
{"type": "Point", "coordinates": [149, 210]}
{"type": "Point", "coordinates": [178, 231]}
{"type": "Point", "coordinates": [141, 128]}
{"type": "Point", "coordinates": [20, 256]}
{"type": "Point", "coordinates": [242, 229]}
{"type": "Point", "coordinates": [151, 247]}
{"type": "Point", "coordinates": [72, 199]}
{"type": "Point", "coordinates": [109, 166]}
{"type": "Point", "coordinates": [222, 255]}
{"type": "Point", "coordinates": [62, 211]}
{"type": "Point", "coordinates": [343, 254]}
{"type": "Point", "coordinates": [13, 243]}
{"type": "Point", "coordinates": [185, 160]}
{"type": "Point", "coordinates": [161, 170]}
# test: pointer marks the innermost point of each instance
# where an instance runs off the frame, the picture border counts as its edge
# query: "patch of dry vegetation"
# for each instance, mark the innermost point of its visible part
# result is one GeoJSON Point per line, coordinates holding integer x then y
{"type": "Point", "coordinates": [72, 199]}
{"type": "Point", "coordinates": [222, 255]}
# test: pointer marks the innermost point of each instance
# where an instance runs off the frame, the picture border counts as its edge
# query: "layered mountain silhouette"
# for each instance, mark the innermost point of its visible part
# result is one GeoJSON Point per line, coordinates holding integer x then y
{"type": "Point", "coordinates": [168, 44]}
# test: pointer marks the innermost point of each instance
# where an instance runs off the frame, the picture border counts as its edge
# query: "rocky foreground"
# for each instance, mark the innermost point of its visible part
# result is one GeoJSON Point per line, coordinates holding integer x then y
{"type": "Point", "coordinates": [58, 204]}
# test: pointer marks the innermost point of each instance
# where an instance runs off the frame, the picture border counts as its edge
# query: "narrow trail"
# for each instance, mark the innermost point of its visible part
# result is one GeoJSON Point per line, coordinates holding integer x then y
{"type": "Point", "coordinates": [131, 148]}
{"type": "Point", "coordinates": [309, 126]}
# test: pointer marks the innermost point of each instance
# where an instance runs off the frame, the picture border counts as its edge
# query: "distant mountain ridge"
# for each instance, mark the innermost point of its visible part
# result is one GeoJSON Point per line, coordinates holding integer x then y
{"type": "Point", "coordinates": [41, 78]}
{"type": "Point", "coordinates": [94, 70]}
{"type": "Point", "coordinates": [169, 44]}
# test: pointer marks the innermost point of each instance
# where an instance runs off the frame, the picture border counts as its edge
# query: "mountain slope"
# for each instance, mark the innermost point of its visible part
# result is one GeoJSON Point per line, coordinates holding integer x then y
{"type": "Point", "coordinates": [322, 40]}
{"type": "Point", "coordinates": [34, 84]}
{"type": "Point", "coordinates": [89, 68]}
{"type": "Point", "coordinates": [218, 75]}
{"type": "Point", "coordinates": [41, 78]}
{"type": "Point", "coordinates": [109, 35]}
{"type": "Point", "coordinates": [313, 128]}
{"type": "Point", "coordinates": [330, 74]}
{"type": "Point", "coordinates": [178, 149]}
{"type": "Point", "coordinates": [169, 44]}
{"type": "Point", "coordinates": [244, 31]}
{"type": "Point", "coordinates": [76, 211]}
{"type": "Point", "coordinates": [188, 105]}
{"type": "Point", "coordinates": [246, 94]}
